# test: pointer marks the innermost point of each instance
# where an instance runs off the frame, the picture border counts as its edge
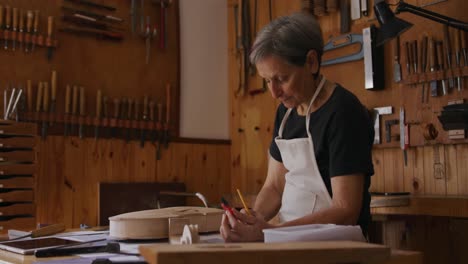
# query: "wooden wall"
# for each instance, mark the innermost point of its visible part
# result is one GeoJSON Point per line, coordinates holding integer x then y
{"type": "Point", "coordinates": [71, 168]}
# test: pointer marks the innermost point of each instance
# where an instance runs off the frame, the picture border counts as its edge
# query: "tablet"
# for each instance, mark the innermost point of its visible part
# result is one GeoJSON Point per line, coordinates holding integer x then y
{"type": "Point", "coordinates": [27, 247]}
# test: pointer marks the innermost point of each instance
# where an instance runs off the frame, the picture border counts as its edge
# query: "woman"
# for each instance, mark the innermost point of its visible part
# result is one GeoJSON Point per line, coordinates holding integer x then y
{"type": "Point", "coordinates": [320, 156]}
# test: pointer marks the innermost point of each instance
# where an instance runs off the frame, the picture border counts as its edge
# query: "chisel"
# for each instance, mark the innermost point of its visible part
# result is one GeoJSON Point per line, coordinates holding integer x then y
{"type": "Point", "coordinates": [408, 57]}
{"type": "Point", "coordinates": [116, 117]}
{"type": "Point", "coordinates": [396, 61]}
{"type": "Point", "coordinates": [432, 64]}
{"type": "Point", "coordinates": [105, 110]}
{"type": "Point", "coordinates": [53, 95]}
{"type": "Point", "coordinates": [458, 58]}
{"type": "Point", "coordinates": [423, 66]}
{"type": "Point", "coordinates": [160, 132]}
{"type": "Point", "coordinates": [50, 48]}
{"type": "Point", "coordinates": [67, 110]}
{"type": "Point", "coordinates": [403, 140]}
{"type": "Point", "coordinates": [1, 17]}
{"type": "Point", "coordinates": [21, 29]}
{"type": "Point", "coordinates": [151, 117]}
{"type": "Point", "coordinates": [7, 24]}
{"type": "Point", "coordinates": [14, 29]}
{"type": "Point", "coordinates": [440, 60]}
{"type": "Point", "coordinates": [144, 118]}
{"type": "Point", "coordinates": [45, 108]}
{"type": "Point", "coordinates": [136, 117]}
{"type": "Point", "coordinates": [98, 113]}
{"type": "Point", "coordinates": [29, 22]}
{"type": "Point", "coordinates": [415, 55]}
{"type": "Point", "coordinates": [35, 29]}
{"type": "Point", "coordinates": [129, 118]}
{"type": "Point", "coordinates": [168, 115]}
{"type": "Point", "coordinates": [448, 54]}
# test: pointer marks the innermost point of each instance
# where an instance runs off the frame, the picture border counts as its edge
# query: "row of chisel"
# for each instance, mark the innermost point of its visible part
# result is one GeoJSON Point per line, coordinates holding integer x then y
{"type": "Point", "coordinates": [435, 55]}
{"type": "Point", "coordinates": [128, 119]}
{"type": "Point", "coordinates": [26, 35]}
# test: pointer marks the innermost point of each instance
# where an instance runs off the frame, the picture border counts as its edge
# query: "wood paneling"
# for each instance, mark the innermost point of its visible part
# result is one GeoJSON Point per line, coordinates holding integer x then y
{"type": "Point", "coordinates": [71, 168]}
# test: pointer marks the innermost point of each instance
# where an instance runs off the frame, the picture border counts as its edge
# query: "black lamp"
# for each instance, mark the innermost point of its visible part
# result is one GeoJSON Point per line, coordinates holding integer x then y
{"type": "Point", "coordinates": [391, 26]}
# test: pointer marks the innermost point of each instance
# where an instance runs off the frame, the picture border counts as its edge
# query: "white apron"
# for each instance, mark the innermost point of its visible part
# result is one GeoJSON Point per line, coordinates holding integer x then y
{"type": "Point", "coordinates": [304, 190]}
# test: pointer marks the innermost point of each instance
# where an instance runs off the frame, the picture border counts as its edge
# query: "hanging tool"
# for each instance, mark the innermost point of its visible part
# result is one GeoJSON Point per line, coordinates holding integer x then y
{"type": "Point", "coordinates": [74, 108]}
{"type": "Point", "coordinates": [448, 54]}
{"type": "Point", "coordinates": [53, 95]}
{"type": "Point", "coordinates": [92, 14]}
{"type": "Point", "coordinates": [433, 66]}
{"type": "Point", "coordinates": [10, 102]}
{"type": "Point", "coordinates": [458, 58]}
{"type": "Point", "coordinates": [154, 135]}
{"type": "Point", "coordinates": [50, 47]}
{"type": "Point", "coordinates": [67, 110]}
{"type": "Point", "coordinates": [464, 49]}
{"type": "Point", "coordinates": [115, 116]}
{"type": "Point", "coordinates": [343, 41]}
{"type": "Point", "coordinates": [365, 7]}
{"type": "Point", "coordinates": [98, 113]}
{"type": "Point", "coordinates": [396, 61]}
{"type": "Point", "coordinates": [136, 118]}
{"type": "Point", "coordinates": [168, 115]}
{"type": "Point", "coordinates": [408, 57]}
{"type": "Point", "coordinates": [424, 67]}
{"type": "Point", "coordinates": [163, 24]}
{"type": "Point", "coordinates": [87, 22]}
{"type": "Point", "coordinates": [388, 130]}
{"type": "Point", "coordinates": [82, 112]}
{"type": "Point", "coordinates": [14, 109]}
{"type": "Point", "coordinates": [7, 25]}
{"type": "Point", "coordinates": [345, 16]}
{"type": "Point", "coordinates": [105, 109]}
{"type": "Point", "coordinates": [415, 58]}
{"type": "Point", "coordinates": [129, 118]}
{"type": "Point", "coordinates": [98, 34]}
{"type": "Point", "coordinates": [160, 131]}
{"type": "Point", "coordinates": [148, 39]}
{"type": "Point", "coordinates": [379, 111]}
{"type": "Point", "coordinates": [133, 15]}
{"type": "Point", "coordinates": [440, 60]}
{"type": "Point", "coordinates": [403, 135]}
{"type": "Point", "coordinates": [1, 20]}
{"type": "Point", "coordinates": [93, 4]}
{"type": "Point", "coordinates": [29, 22]}
{"type": "Point", "coordinates": [21, 28]}
{"type": "Point", "coordinates": [14, 29]}
{"type": "Point", "coordinates": [45, 109]}
{"type": "Point", "coordinates": [35, 30]}
{"type": "Point", "coordinates": [355, 9]}
{"type": "Point", "coordinates": [374, 70]}
{"type": "Point", "coordinates": [145, 119]}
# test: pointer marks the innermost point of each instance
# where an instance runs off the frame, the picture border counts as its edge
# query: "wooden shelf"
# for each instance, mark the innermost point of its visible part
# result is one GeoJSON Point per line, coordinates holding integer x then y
{"type": "Point", "coordinates": [432, 205]}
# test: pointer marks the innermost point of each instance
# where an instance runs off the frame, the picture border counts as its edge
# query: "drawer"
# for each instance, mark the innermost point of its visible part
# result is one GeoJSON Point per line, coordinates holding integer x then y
{"type": "Point", "coordinates": [17, 182]}
{"type": "Point", "coordinates": [18, 209]}
{"type": "Point", "coordinates": [17, 196]}
{"type": "Point", "coordinates": [17, 142]}
{"type": "Point", "coordinates": [17, 169]}
{"type": "Point", "coordinates": [17, 128]}
{"type": "Point", "coordinates": [19, 156]}
{"type": "Point", "coordinates": [22, 223]}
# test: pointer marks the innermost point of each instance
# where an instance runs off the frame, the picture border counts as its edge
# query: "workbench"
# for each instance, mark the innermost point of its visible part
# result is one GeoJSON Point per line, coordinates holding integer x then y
{"type": "Point", "coordinates": [322, 252]}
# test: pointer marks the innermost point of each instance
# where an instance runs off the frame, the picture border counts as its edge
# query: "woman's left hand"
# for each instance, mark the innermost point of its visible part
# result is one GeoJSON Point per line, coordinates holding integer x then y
{"type": "Point", "coordinates": [241, 227]}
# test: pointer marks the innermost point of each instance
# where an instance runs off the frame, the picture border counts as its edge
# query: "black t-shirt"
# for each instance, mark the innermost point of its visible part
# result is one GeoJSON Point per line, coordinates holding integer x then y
{"type": "Point", "coordinates": [343, 134]}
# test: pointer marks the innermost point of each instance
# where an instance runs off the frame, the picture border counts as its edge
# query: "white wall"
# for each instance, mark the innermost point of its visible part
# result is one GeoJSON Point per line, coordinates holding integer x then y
{"type": "Point", "coordinates": [204, 103]}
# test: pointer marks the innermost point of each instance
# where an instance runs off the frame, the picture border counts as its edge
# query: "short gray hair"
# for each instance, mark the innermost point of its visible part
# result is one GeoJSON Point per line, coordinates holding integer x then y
{"type": "Point", "coordinates": [290, 38]}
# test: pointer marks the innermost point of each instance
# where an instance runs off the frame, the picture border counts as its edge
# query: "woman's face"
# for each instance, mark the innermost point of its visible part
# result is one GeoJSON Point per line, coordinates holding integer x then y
{"type": "Point", "coordinates": [288, 83]}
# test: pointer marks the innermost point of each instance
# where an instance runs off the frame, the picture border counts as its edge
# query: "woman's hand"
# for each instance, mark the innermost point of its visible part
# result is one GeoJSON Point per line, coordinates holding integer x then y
{"type": "Point", "coordinates": [241, 227]}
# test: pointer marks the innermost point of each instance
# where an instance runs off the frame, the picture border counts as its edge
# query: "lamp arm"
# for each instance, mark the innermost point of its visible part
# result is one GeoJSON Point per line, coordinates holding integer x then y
{"type": "Point", "coordinates": [404, 7]}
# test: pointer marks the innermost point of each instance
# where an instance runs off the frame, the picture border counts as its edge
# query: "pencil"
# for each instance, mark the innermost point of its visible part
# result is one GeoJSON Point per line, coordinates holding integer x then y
{"type": "Point", "coordinates": [243, 202]}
